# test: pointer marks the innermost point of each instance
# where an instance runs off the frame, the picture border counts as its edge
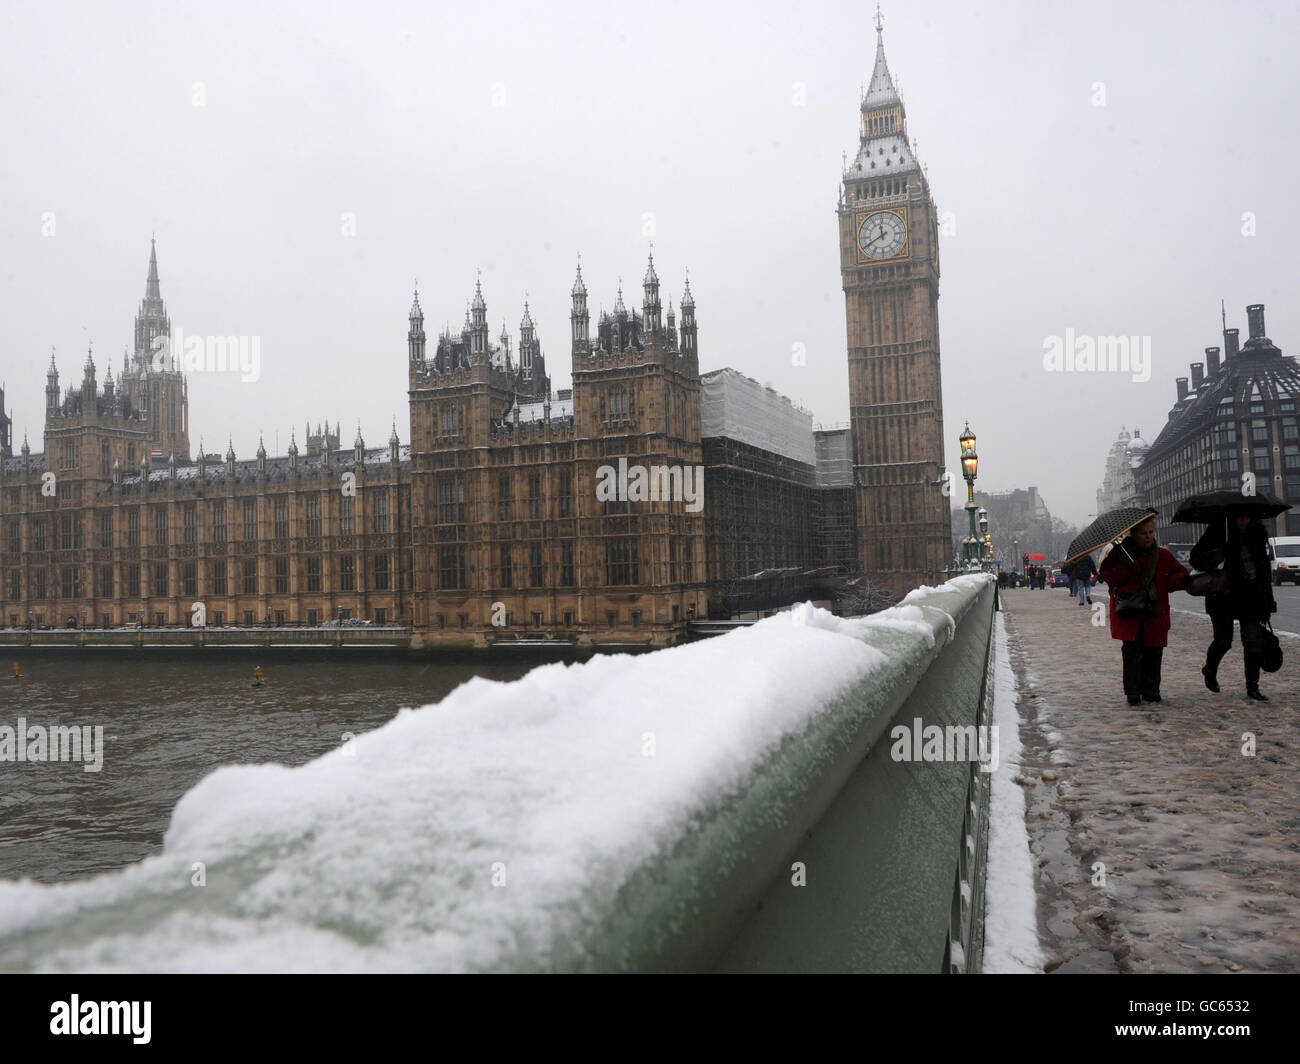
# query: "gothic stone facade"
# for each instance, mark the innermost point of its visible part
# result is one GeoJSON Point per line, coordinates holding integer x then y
{"type": "Point", "coordinates": [487, 528]}
{"type": "Point", "coordinates": [512, 538]}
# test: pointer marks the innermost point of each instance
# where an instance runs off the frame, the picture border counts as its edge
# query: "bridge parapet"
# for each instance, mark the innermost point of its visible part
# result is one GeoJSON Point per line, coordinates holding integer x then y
{"type": "Point", "coordinates": [739, 803]}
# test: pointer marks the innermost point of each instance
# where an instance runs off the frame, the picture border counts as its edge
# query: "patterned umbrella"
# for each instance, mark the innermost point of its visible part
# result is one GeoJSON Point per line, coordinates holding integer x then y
{"type": "Point", "coordinates": [1108, 527]}
{"type": "Point", "coordinates": [1215, 505]}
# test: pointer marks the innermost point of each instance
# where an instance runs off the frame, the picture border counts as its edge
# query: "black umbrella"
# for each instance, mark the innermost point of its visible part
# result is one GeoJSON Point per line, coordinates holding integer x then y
{"type": "Point", "coordinates": [1106, 529]}
{"type": "Point", "coordinates": [1216, 505]}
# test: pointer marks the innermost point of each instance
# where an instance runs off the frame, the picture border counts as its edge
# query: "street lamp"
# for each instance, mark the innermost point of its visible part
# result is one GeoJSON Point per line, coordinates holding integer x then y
{"type": "Point", "coordinates": [986, 541]}
{"type": "Point", "coordinates": [970, 463]}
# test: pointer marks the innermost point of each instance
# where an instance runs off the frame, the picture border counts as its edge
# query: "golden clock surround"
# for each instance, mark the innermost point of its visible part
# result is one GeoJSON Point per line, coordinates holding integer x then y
{"type": "Point", "coordinates": [903, 252]}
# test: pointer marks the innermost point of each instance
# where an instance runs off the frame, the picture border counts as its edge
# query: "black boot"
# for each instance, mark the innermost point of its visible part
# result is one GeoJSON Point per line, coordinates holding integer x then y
{"type": "Point", "coordinates": [1211, 680]}
{"type": "Point", "coordinates": [1252, 691]}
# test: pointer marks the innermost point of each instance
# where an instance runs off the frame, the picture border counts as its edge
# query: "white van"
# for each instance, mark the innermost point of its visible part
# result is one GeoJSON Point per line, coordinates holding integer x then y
{"type": "Point", "coordinates": [1286, 558]}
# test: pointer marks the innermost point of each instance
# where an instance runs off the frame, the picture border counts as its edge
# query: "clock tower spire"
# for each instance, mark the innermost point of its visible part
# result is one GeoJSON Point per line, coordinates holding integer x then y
{"type": "Point", "coordinates": [889, 270]}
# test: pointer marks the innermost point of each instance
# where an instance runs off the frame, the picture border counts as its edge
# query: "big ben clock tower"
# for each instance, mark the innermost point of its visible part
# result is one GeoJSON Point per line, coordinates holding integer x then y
{"type": "Point", "coordinates": [889, 267]}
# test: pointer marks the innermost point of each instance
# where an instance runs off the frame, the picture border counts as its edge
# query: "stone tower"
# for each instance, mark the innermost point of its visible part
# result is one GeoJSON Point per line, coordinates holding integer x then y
{"type": "Point", "coordinates": [152, 379]}
{"type": "Point", "coordinates": [889, 267]}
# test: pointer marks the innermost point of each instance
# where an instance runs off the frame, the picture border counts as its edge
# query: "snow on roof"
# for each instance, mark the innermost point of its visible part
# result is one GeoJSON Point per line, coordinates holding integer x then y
{"type": "Point", "coordinates": [381, 857]}
{"type": "Point", "coordinates": [276, 468]}
{"type": "Point", "coordinates": [536, 411]}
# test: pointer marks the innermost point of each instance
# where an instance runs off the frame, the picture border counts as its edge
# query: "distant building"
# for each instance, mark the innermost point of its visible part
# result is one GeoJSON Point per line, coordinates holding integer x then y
{"type": "Point", "coordinates": [1117, 486]}
{"type": "Point", "coordinates": [493, 525]}
{"type": "Point", "coordinates": [1019, 523]}
{"type": "Point", "coordinates": [1233, 422]}
{"type": "Point", "coordinates": [490, 526]}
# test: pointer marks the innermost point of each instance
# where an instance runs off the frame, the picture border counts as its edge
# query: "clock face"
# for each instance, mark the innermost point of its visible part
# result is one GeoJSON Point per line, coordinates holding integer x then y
{"type": "Point", "coordinates": [882, 235]}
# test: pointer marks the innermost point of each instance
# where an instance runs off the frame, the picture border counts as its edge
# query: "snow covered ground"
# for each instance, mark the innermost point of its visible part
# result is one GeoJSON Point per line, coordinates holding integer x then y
{"type": "Point", "coordinates": [1010, 903]}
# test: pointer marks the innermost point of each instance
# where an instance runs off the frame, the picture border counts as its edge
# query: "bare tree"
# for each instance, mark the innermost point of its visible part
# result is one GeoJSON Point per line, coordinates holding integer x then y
{"type": "Point", "coordinates": [1063, 532]}
{"type": "Point", "coordinates": [863, 595]}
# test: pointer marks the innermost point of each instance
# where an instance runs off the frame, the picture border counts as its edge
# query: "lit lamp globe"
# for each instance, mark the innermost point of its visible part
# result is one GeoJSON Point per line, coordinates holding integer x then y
{"type": "Point", "coordinates": [969, 459]}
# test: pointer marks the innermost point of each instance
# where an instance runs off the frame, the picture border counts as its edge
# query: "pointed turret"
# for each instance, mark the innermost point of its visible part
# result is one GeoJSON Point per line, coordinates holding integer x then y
{"type": "Point", "coordinates": [578, 317]}
{"type": "Point", "coordinates": [52, 386]}
{"type": "Point", "coordinates": [620, 311]}
{"type": "Point", "coordinates": [415, 338]}
{"type": "Point", "coordinates": [650, 306]}
{"type": "Point", "coordinates": [688, 321]}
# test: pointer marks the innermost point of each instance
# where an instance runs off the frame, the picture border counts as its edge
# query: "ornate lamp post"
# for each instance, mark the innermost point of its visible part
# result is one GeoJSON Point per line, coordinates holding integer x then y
{"type": "Point", "coordinates": [986, 541]}
{"type": "Point", "coordinates": [970, 463]}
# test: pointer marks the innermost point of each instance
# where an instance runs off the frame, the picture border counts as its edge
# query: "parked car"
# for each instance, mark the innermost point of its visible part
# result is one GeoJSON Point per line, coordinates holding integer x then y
{"type": "Point", "coordinates": [1059, 579]}
{"type": "Point", "coordinates": [1286, 559]}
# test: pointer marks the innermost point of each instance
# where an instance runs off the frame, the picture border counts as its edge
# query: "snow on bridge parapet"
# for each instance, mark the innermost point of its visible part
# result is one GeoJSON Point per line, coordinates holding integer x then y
{"type": "Point", "coordinates": [623, 814]}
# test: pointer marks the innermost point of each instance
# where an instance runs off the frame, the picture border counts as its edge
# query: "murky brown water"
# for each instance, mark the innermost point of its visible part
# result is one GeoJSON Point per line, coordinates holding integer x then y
{"type": "Point", "coordinates": [167, 723]}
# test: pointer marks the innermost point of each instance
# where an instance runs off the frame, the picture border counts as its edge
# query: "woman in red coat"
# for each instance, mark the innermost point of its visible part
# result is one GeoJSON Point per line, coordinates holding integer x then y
{"type": "Point", "coordinates": [1143, 638]}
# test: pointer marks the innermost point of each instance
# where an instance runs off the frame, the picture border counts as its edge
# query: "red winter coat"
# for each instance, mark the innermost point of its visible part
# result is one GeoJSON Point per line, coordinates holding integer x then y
{"type": "Point", "coordinates": [1122, 575]}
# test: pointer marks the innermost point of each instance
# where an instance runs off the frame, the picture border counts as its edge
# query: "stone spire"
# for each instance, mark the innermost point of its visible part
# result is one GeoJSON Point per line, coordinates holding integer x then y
{"type": "Point", "coordinates": [880, 89]}
{"type": "Point", "coordinates": [152, 326]}
{"type": "Point", "coordinates": [152, 289]}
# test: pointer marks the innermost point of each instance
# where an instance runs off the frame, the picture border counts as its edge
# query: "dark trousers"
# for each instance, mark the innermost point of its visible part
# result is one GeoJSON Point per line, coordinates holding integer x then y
{"type": "Point", "coordinates": [1141, 667]}
{"type": "Point", "coordinates": [1223, 643]}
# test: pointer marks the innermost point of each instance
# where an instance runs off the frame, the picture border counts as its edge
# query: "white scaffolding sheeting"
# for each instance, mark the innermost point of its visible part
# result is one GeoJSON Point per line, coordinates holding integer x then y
{"type": "Point", "coordinates": [739, 408]}
{"type": "Point", "coordinates": [834, 458]}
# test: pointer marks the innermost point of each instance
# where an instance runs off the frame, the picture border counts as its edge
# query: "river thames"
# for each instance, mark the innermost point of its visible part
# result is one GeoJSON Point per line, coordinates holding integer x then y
{"type": "Point", "coordinates": [167, 722]}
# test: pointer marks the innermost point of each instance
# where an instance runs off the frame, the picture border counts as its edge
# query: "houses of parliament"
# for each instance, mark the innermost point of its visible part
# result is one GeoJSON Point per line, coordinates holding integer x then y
{"type": "Point", "coordinates": [488, 526]}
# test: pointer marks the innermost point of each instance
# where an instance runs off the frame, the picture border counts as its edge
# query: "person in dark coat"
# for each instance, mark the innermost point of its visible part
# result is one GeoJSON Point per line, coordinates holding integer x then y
{"type": "Point", "coordinates": [1138, 562]}
{"type": "Point", "coordinates": [1082, 573]}
{"type": "Point", "coordinates": [1238, 544]}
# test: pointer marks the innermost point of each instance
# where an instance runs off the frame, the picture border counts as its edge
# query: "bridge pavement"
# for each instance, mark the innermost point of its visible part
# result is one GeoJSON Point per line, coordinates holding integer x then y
{"type": "Point", "coordinates": [1160, 845]}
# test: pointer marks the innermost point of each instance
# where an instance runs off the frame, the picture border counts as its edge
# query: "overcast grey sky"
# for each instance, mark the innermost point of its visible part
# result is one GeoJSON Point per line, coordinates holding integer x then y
{"type": "Point", "coordinates": [510, 137]}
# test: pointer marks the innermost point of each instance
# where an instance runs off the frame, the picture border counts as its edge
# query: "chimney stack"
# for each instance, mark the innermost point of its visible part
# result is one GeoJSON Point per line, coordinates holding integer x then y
{"type": "Point", "coordinates": [1212, 361]}
{"type": "Point", "coordinates": [1198, 375]}
{"type": "Point", "coordinates": [1230, 348]}
{"type": "Point", "coordinates": [1182, 388]}
{"type": "Point", "coordinates": [1255, 319]}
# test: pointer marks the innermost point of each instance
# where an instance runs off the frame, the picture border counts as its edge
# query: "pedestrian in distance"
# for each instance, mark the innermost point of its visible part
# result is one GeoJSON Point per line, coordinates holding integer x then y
{"type": "Point", "coordinates": [1238, 547]}
{"type": "Point", "coordinates": [1083, 573]}
{"type": "Point", "coordinates": [1141, 575]}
